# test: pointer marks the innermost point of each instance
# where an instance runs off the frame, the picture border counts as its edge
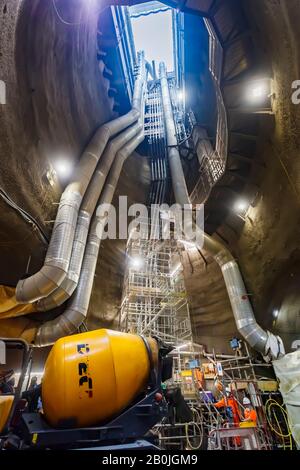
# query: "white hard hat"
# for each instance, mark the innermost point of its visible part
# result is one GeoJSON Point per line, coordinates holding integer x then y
{"type": "Point", "coordinates": [228, 389]}
{"type": "Point", "coordinates": [246, 401]}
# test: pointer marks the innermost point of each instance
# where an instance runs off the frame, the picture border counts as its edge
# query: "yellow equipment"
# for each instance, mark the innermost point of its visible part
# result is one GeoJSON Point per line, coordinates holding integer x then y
{"type": "Point", "coordinates": [247, 424]}
{"type": "Point", "coordinates": [6, 402]}
{"type": "Point", "coordinates": [99, 388]}
{"type": "Point", "coordinates": [9, 307]}
{"type": "Point", "coordinates": [93, 376]}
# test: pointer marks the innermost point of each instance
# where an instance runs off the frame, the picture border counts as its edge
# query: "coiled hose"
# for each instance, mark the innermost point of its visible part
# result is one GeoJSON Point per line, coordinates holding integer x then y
{"type": "Point", "coordinates": [198, 425]}
{"type": "Point", "coordinates": [271, 405]}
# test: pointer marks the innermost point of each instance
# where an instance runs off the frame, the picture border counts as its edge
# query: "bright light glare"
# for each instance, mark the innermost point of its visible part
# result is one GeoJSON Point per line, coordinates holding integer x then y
{"type": "Point", "coordinates": [241, 206]}
{"type": "Point", "coordinates": [187, 244]}
{"type": "Point", "coordinates": [257, 92]}
{"type": "Point", "coordinates": [176, 270]}
{"type": "Point", "coordinates": [180, 95]}
{"type": "Point", "coordinates": [63, 168]}
{"type": "Point", "coordinates": [182, 346]}
{"type": "Point", "coordinates": [275, 313]}
{"type": "Point", "coordinates": [136, 262]}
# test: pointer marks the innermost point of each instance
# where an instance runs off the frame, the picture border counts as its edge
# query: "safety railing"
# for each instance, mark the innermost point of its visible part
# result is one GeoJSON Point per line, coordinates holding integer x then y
{"type": "Point", "coordinates": [213, 166]}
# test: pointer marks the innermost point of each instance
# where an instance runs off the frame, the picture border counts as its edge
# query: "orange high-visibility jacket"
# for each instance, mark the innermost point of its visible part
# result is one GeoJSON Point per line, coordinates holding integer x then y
{"type": "Point", "coordinates": [233, 405]}
{"type": "Point", "coordinates": [250, 415]}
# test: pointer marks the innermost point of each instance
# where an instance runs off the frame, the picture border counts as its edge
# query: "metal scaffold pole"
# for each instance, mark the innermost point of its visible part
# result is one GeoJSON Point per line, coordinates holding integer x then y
{"type": "Point", "coordinates": [154, 302]}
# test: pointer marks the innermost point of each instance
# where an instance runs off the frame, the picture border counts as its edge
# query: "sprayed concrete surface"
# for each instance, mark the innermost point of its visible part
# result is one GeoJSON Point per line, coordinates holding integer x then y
{"type": "Point", "coordinates": [267, 245]}
{"type": "Point", "coordinates": [57, 97]}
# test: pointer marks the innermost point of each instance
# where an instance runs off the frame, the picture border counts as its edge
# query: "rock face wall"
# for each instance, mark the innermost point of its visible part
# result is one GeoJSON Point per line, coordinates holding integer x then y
{"type": "Point", "coordinates": [267, 244]}
{"type": "Point", "coordinates": [57, 96]}
{"type": "Point", "coordinates": [210, 309]}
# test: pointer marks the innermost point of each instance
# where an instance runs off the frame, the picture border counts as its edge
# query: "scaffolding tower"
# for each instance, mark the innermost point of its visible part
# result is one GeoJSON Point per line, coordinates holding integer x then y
{"type": "Point", "coordinates": [154, 300]}
{"type": "Point", "coordinates": [155, 303]}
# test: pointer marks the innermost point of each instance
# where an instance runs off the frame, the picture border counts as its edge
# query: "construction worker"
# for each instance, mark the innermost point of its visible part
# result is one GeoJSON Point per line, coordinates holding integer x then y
{"type": "Point", "coordinates": [230, 404]}
{"type": "Point", "coordinates": [232, 411]}
{"type": "Point", "coordinates": [249, 412]}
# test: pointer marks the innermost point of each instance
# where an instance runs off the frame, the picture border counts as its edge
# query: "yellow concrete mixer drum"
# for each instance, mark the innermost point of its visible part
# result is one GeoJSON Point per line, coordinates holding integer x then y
{"type": "Point", "coordinates": [91, 377]}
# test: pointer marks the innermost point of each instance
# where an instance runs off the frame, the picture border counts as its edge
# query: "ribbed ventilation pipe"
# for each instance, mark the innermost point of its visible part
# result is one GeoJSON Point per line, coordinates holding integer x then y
{"type": "Point", "coordinates": [265, 342]}
{"type": "Point", "coordinates": [76, 311]}
{"type": "Point", "coordinates": [77, 308]}
{"type": "Point", "coordinates": [56, 264]}
{"type": "Point", "coordinates": [69, 284]}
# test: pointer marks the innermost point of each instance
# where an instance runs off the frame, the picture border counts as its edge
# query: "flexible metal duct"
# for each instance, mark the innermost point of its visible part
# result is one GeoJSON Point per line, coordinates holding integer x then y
{"type": "Point", "coordinates": [50, 331]}
{"type": "Point", "coordinates": [262, 341]}
{"type": "Point", "coordinates": [178, 180]}
{"type": "Point", "coordinates": [69, 284]}
{"type": "Point", "coordinates": [77, 310]}
{"type": "Point", "coordinates": [57, 260]}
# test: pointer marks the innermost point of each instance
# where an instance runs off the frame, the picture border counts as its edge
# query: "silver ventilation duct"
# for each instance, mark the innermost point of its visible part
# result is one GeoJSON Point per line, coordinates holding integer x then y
{"type": "Point", "coordinates": [77, 309]}
{"type": "Point", "coordinates": [57, 260]}
{"type": "Point", "coordinates": [69, 284]}
{"type": "Point", "coordinates": [266, 343]}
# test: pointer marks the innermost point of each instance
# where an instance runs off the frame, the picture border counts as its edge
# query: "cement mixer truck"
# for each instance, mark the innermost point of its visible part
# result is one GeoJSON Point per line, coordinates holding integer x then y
{"type": "Point", "coordinates": [98, 388]}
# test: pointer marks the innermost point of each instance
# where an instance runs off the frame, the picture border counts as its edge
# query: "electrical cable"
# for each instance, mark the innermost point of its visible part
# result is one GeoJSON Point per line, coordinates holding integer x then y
{"type": "Point", "coordinates": [193, 423]}
{"type": "Point", "coordinates": [196, 425]}
{"type": "Point", "coordinates": [83, 22]}
{"type": "Point", "coordinates": [68, 23]}
{"type": "Point", "coordinates": [60, 18]}
{"type": "Point", "coordinates": [271, 403]}
{"type": "Point", "coordinates": [29, 219]}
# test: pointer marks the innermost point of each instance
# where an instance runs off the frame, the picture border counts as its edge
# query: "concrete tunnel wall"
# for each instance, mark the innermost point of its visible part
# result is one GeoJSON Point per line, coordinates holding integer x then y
{"type": "Point", "coordinates": [57, 95]}
{"type": "Point", "coordinates": [53, 107]}
{"type": "Point", "coordinates": [267, 244]}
